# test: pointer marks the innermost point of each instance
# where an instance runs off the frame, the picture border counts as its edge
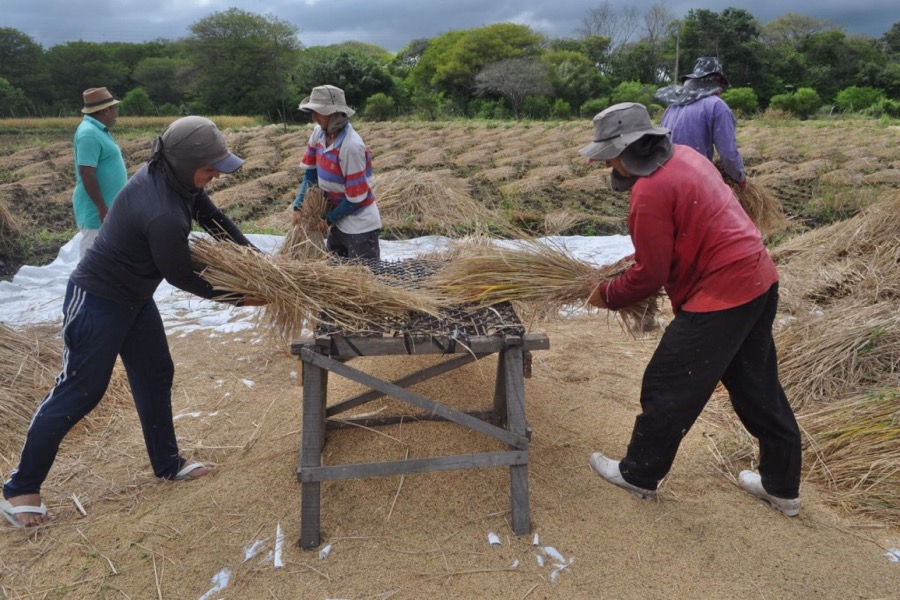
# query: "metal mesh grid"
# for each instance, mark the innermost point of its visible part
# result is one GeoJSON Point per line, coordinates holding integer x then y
{"type": "Point", "coordinates": [455, 322]}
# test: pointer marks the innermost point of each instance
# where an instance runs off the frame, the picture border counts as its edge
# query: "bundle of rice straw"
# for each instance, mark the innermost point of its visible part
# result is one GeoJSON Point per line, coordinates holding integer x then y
{"type": "Point", "coordinates": [10, 224]}
{"type": "Point", "coordinates": [305, 240]}
{"type": "Point", "coordinates": [27, 369]}
{"type": "Point", "coordinates": [434, 203]}
{"type": "Point", "coordinates": [538, 277]}
{"type": "Point", "coordinates": [300, 292]}
{"type": "Point", "coordinates": [823, 359]}
{"type": "Point", "coordinates": [761, 206]}
{"type": "Point", "coordinates": [29, 365]}
{"type": "Point", "coordinates": [858, 258]}
{"type": "Point", "coordinates": [856, 451]}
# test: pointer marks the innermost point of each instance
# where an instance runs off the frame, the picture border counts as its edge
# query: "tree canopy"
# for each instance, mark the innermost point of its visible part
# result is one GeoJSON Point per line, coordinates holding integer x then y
{"type": "Point", "coordinates": [238, 62]}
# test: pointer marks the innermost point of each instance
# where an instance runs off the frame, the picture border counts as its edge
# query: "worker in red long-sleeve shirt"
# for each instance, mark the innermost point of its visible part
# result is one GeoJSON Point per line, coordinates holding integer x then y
{"type": "Point", "coordinates": [692, 238]}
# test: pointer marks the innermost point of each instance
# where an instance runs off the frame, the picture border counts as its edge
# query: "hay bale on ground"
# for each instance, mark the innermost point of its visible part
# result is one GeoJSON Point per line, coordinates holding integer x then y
{"type": "Point", "coordinates": [10, 225]}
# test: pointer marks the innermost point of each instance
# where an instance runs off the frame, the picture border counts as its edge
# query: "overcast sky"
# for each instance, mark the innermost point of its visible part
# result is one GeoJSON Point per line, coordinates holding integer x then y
{"type": "Point", "coordinates": [390, 24]}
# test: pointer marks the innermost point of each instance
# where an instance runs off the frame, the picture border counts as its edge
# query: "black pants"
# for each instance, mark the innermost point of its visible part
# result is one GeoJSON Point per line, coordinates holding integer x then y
{"type": "Point", "coordinates": [354, 245]}
{"type": "Point", "coordinates": [698, 350]}
{"type": "Point", "coordinates": [95, 332]}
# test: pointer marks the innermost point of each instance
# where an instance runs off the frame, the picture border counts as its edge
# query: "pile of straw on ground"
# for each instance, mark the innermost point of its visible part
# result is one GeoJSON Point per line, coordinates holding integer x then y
{"type": "Point", "coordinates": [858, 258]}
{"type": "Point", "coordinates": [28, 367]}
{"type": "Point", "coordinates": [843, 283]}
{"type": "Point", "coordinates": [825, 358]}
{"type": "Point", "coordinates": [855, 450]}
{"type": "Point", "coordinates": [303, 292]}
{"type": "Point", "coordinates": [10, 225]}
{"type": "Point", "coordinates": [539, 278]}
{"type": "Point", "coordinates": [305, 240]}
{"type": "Point", "coordinates": [29, 364]}
{"type": "Point", "coordinates": [430, 202]}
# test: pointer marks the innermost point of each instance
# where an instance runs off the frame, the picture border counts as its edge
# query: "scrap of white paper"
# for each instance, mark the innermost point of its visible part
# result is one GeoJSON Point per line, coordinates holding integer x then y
{"type": "Point", "coordinates": [554, 554]}
{"type": "Point", "coordinates": [252, 550]}
{"type": "Point", "coordinates": [493, 539]}
{"type": "Point", "coordinates": [324, 552]}
{"type": "Point", "coordinates": [893, 554]}
{"type": "Point", "coordinates": [220, 582]}
{"type": "Point", "coordinates": [279, 543]}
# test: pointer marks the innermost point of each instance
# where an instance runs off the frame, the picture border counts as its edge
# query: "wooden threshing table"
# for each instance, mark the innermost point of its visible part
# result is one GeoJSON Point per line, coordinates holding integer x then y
{"type": "Point", "coordinates": [464, 336]}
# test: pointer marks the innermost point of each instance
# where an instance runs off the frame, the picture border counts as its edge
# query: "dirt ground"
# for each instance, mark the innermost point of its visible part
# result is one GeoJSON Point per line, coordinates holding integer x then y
{"type": "Point", "coordinates": [238, 406]}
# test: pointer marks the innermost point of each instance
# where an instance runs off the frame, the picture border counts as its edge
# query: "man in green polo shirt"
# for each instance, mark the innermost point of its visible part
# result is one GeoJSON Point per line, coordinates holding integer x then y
{"type": "Point", "coordinates": [99, 168]}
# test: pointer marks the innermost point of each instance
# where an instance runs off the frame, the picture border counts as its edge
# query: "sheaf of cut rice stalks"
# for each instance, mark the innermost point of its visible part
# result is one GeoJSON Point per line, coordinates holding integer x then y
{"type": "Point", "coordinates": [855, 451]}
{"type": "Point", "coordinates": [858, 259]}
{"type": "Point", "coordinates": [761, 206]}
{"type": "Point", "coordinates": [539, 278]}
{"type": "Point", "coordinates": [432, 202]}
{"type": "Point", "coordinates": [305, 240]}
{"type": "Point", "coordinates": [824, 358]}
{"type": "Point", "coordinates": [302, 292]}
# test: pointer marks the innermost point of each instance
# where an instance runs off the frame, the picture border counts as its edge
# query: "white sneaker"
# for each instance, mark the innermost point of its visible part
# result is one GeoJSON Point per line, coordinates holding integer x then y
{"type": "Point", "coordinates": [751, 483]}
{"type": "Point", "coordinates": [609, 470]}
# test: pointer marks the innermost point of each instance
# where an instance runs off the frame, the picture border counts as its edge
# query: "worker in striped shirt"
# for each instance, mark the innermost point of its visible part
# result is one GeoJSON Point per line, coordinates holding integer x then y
{"type": "Point", "coordinates": [338, 161]}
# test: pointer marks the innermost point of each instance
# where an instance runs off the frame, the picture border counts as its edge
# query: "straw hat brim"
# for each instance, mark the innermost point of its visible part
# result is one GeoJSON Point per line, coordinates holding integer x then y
{"type": "Point", "coordinates": [325, 109]}
{"type": "Point", "coordinates": [99, 107]}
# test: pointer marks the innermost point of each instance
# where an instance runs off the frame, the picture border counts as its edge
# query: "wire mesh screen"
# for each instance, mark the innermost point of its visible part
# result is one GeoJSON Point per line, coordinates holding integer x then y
{"type": "Point", "coordinates": [455, 321]}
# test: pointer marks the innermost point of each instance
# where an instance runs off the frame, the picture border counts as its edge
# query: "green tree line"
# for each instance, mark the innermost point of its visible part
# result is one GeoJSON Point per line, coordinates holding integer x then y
{"type": "Point", "coordinates": [240, 63]}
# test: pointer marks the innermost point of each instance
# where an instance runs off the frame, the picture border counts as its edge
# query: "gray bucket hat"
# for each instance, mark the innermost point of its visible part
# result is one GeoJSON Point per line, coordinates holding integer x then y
{"type": "Point", "coordinates": [326, 100]}
{"type": "Point", "coordinates": [617, 127]}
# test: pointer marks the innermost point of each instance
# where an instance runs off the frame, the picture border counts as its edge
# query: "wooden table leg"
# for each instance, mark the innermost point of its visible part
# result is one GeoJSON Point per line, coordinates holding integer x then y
{"type": "Point", "coordinates": [315, 381]}
{"type": "Point", "coordinates": [515, 410]}
{"type": "Point", "coordinates": [498, 415]}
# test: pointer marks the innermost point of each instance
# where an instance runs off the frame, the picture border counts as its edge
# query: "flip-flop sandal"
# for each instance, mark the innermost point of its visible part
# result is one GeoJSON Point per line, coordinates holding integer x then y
{"type": "Point", "coordinates": [9, 511]}
{"type": "Point", "coordinates": [184, 474]}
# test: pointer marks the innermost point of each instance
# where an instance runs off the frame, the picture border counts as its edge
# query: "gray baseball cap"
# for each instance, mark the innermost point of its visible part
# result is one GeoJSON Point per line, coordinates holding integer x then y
{"type": "Point", "coordinates": [197, 141]}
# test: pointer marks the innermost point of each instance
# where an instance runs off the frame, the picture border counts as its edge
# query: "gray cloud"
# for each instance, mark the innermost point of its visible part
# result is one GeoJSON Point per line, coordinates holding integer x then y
{"type": "Point", "coordinates": [388, 23]}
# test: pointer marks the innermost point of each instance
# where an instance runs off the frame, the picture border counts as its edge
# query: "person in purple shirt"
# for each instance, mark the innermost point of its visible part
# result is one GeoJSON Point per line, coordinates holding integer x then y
{"type": "Point", "coordinates": [699, 118]}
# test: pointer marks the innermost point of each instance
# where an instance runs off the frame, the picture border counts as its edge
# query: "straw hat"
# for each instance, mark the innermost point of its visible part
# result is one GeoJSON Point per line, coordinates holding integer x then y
{"type": "Point", "coordinates": [96, 99]}
{"type": "Point", "coordinates": [326, 100]}
{"type": "Point", "coordinates": [617, 127]}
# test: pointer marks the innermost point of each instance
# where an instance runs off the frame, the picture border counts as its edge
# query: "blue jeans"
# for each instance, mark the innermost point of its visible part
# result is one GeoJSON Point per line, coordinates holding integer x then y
{"type": "Point", "coordinates": [95, 332]}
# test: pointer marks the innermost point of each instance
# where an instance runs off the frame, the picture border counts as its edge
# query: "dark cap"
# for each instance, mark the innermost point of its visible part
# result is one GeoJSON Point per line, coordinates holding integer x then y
{"type": "Point", "coordinates": [197, 140]}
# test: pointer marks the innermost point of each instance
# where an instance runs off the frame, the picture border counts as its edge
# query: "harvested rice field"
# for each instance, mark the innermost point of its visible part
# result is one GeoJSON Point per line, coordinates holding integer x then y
{"type": "Point", "coordinates": [117, 532]}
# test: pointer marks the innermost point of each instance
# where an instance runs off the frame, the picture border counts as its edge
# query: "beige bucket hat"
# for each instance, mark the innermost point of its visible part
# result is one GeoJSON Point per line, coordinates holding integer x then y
{"type": "Point", "coordinates": [326, 100]}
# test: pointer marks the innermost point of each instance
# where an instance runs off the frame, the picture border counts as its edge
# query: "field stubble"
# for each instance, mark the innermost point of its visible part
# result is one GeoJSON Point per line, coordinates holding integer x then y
{"type": "Point", "coordinates": [527, 173]}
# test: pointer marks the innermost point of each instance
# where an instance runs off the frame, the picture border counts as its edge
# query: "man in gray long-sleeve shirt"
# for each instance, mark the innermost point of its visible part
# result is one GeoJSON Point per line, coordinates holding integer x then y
{"type": "Point", "coordinates": [109, 309]}
{"type": "Point", "coordinates": [699, 118]}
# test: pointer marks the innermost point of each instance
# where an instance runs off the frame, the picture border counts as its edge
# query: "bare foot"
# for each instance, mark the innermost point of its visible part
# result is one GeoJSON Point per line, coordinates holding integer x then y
{"type": "Point", "coordinates": [29, 519]}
